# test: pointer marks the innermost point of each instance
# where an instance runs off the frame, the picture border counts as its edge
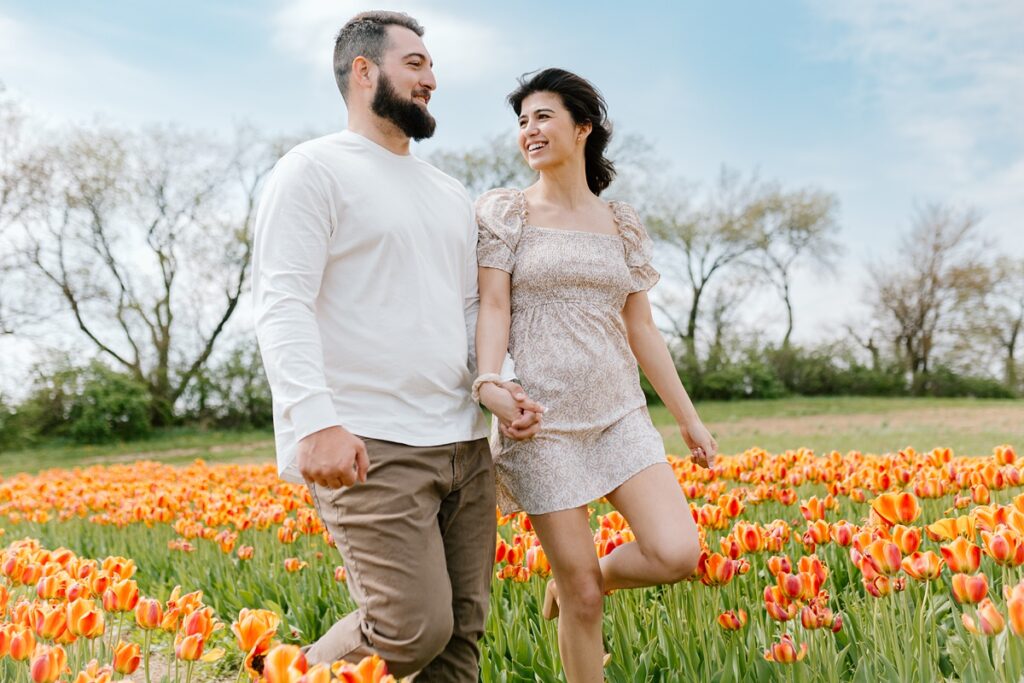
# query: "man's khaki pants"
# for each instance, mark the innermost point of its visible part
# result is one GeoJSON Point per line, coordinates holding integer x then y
{"type": "Point", "coordinates": [418, 545]}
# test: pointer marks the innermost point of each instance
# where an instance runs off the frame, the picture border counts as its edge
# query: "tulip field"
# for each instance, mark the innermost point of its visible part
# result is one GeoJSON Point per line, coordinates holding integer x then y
{"type": "Point", "coordinates": [903, 566]}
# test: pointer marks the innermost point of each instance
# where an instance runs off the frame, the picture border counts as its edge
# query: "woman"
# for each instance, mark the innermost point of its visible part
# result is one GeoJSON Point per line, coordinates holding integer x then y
{"type": "Point", "coordinates": [563, 285]}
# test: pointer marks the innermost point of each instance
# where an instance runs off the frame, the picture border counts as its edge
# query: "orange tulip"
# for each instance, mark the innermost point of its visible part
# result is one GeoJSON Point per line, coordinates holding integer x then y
{"type": "Point", "coordinates": [968, 588]}
{"type": "Point", "coordinates": [778, 564]}
{"type": "Point", "coordinates": [990, 621]}
{"type": "Point", "coordinates": [785, 651]}
{"type": "Point", "coordinates": [51, 622]}
{"type": "Point", "coordinates": [961, 555]}
{"type": "Point", "coordinates": [254, 629]}
{"type": "Point", "coordinates": [199, 622]}
{"type": "Point", "coordinates": [879, 586]}
{"type": "Point", "coordinates": [284, 664]}
{"type": "Point", "coordinates": [94, 673]}
{"type": "Point", "coordinates": [813, 509]}
{"type": "Point", "coordinates": [896, 508]}
{"type": "Point", "coordinates": [23, 642]}
{"type": "Point", "coordinates": [926, 566]}
{"type": "Point", "coordinates": [84, 619]}
{"type": "Point", "coordinates": [717, 570]}
{"type": "Point", "coordinates": [817, 615]}
{"type": "Point", "coordinates": [796, 586]}
{"type": "Point", "coordinates": [53, 587]}
{"type": "Point", "coordinates": [810, 564]}
{"type": "Point", "coordinates": [537, 561]}
{"type": "Point", "coordinates": [778, 604]}
{"type": "Point", "coordinates": [842, 533]}
{"type": "Point", "coordinates": [148, 613]}
{"type": "Point", "coordinates": [949, 528]}
{"type": "Point", "coordinates": [883, 556]}
{"type": "Point", "coordinates": [908, 538]}
{"type": "Point", "coordinates": [121, 567]}
{"type": "Point", "coordinates": [817, 533]}
{"type": "Point", "coordinates": [171, 620]}
{"type": "Point", "coordinates": [48, 663]}
{"type": "Point", "coordinates": [732, 621]}
{"type": "Point", "coordinates": [121, 596]}
{"type": "Point", "coordinates": [294, 564]}
{"type": "Point", "coordinates": [981, 495]}
{"type": "Point", "coordinates": [320, 673]}
{"type": "Point", "coordinates": [1015, 608]}
{"type": "Point", "coordinates": [750, 537]}
{"type": "Point", "coordinates": [127, 657]}
{"type": "Point", "coordinates": [245, 552]}
{"type": "Point", "coordinates": [189, 648]}
{"type": "Point", "coordinates": [731, 505]}
{"type": "Point", "coordinates": [1002, 546]}
{"type": "Point", "coordinates": [371, 669]}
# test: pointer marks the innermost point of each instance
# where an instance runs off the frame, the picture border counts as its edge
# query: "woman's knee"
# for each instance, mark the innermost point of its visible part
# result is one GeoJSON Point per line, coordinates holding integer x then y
{"type": "Point", "coordinates": [582, 595]}
{"type": "Point", "coordinates": [677, 557]}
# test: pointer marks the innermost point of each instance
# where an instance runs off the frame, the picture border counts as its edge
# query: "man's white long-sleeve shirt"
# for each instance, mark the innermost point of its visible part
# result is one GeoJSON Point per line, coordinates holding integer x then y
{"type": "Point", "coordinates": [365, 295]}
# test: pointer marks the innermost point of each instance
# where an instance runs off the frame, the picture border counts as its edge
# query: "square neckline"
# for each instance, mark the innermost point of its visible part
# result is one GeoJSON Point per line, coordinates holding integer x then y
{"type": "Point", "coordinates": [525, 220]}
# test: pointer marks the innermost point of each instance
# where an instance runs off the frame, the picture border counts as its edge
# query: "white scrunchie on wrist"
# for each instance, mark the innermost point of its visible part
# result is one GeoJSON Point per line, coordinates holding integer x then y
{"type": "Point", "coordinates": [490, 377]}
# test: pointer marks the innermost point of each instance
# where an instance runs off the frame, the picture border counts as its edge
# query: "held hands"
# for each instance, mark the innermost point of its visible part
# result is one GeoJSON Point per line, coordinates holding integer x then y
{"type": "Point", "coordinates": [702, 445]}
{"type": "Point", "coordinates": [519, 417]}
{"type": "Point", "coordinates": [333, 457]}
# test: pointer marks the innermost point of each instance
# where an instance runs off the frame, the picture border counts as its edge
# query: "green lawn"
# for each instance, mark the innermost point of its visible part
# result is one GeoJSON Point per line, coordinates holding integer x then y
{"type": "Point", "coordinates": [969, 426]}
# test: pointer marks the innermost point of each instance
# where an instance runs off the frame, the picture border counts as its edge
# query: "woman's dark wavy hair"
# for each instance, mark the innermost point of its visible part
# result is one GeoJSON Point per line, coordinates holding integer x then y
{"type": "Point", "coordinates": [586, 105]}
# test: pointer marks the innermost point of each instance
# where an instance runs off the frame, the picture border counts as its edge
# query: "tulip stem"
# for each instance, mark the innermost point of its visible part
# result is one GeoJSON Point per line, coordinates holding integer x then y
{"type": "Point", "coordinates": [147, 642]}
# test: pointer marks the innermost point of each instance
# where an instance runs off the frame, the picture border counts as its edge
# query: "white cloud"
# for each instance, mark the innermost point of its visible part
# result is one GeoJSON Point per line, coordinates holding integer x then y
{"type": "Point", "coordinates": [949, 74]}
{"type": "Point", "coordinates": [948, 78]}
{"type": "Point", "coordinates": [61, 75]}
{"type": "Point", "coordinates": [464, 51]}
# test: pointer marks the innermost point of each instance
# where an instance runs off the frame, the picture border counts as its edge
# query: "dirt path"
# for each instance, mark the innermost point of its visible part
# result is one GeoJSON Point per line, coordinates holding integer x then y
{"type": "Point", "coordinates": [966, 419]}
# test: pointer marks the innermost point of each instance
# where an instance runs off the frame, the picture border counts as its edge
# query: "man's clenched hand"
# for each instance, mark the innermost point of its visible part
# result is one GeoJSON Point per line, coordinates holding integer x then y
{"type": "Point", "coordinates": [333, 457]}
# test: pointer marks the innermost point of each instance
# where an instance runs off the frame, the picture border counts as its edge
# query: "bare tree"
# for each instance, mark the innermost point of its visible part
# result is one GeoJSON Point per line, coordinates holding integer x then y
{"type": "Point", "coordinates": [15, 182]}
{"type": "Point", "coordinates": [796, 226]}
{"type": "Point", "coordinates": [143, 240]}
{"type": "Point", "coordinates": [702, 243]}
{"type": "Point", "coordinates": [494, 163]}
{"type": "Point", "coordinates": [993, 328]}
{"type": "Point", "coordinates": [920, 294]}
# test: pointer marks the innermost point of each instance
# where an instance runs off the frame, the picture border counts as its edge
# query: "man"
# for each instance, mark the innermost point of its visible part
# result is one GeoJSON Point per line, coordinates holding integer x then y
{"type": "Point", "coordinates": [364, 280]}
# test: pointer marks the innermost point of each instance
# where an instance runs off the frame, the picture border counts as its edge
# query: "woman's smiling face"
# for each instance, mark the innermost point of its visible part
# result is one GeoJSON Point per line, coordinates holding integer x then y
{"type": "Point", "coordinates": [548, 136]}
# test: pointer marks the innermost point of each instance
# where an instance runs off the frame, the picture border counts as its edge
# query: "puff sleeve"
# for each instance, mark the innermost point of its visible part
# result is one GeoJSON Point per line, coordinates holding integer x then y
{"type": "Point", "coordinates": [638, 248]}
{"type": "Point", "coordinates": [499, 219]}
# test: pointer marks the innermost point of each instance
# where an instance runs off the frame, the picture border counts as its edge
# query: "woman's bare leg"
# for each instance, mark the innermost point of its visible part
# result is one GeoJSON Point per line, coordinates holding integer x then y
{"type": "Point", "coordinates": [667, 546]}
{"type": "Point", "coordinates": [568, 542]}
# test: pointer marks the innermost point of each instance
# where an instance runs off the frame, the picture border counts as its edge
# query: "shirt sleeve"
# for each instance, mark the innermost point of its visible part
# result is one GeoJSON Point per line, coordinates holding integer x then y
{"type": "Point", "coordinates": [638, 247]}
{"type": "Point", "coordinates": [498, 222]}
{"type": "Point", "coordinates": [294, 224]}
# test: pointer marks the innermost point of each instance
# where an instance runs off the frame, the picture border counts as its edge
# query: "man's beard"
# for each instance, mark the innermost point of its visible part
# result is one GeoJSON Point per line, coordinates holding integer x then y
{"type": "Point", "coordinates": [410, 118]}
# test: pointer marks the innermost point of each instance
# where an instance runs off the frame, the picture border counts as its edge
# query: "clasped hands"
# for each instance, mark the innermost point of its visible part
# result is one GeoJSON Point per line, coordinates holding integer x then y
{"type": "Point", "coordinates": [334, 457]}
{"type": "Point", "coordinates": [519, 416]}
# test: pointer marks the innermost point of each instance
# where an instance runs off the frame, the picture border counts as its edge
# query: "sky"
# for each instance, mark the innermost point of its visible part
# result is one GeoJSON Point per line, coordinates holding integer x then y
{"type": "Point", "coordinates": [888, 104]}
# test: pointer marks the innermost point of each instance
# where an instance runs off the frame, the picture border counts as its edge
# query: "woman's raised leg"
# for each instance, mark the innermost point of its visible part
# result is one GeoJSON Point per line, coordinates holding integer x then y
{"type": "Point", "coordinates": [667, 546]}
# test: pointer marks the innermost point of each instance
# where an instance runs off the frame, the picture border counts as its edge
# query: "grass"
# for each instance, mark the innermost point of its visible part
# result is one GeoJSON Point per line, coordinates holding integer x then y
{"type": "Point", "coordinates": [176, 445]}
{"type": "Point", "coordinates": [969, 426]}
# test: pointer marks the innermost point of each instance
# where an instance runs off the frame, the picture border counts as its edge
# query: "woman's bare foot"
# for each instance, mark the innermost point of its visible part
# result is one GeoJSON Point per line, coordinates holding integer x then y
{"type": "Point", "coordinates": [550, 609]}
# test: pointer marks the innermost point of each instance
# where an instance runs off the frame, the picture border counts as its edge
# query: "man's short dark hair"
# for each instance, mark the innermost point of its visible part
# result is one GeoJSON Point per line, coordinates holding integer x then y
{"type": "Point", "coordinates": [366, 35]}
